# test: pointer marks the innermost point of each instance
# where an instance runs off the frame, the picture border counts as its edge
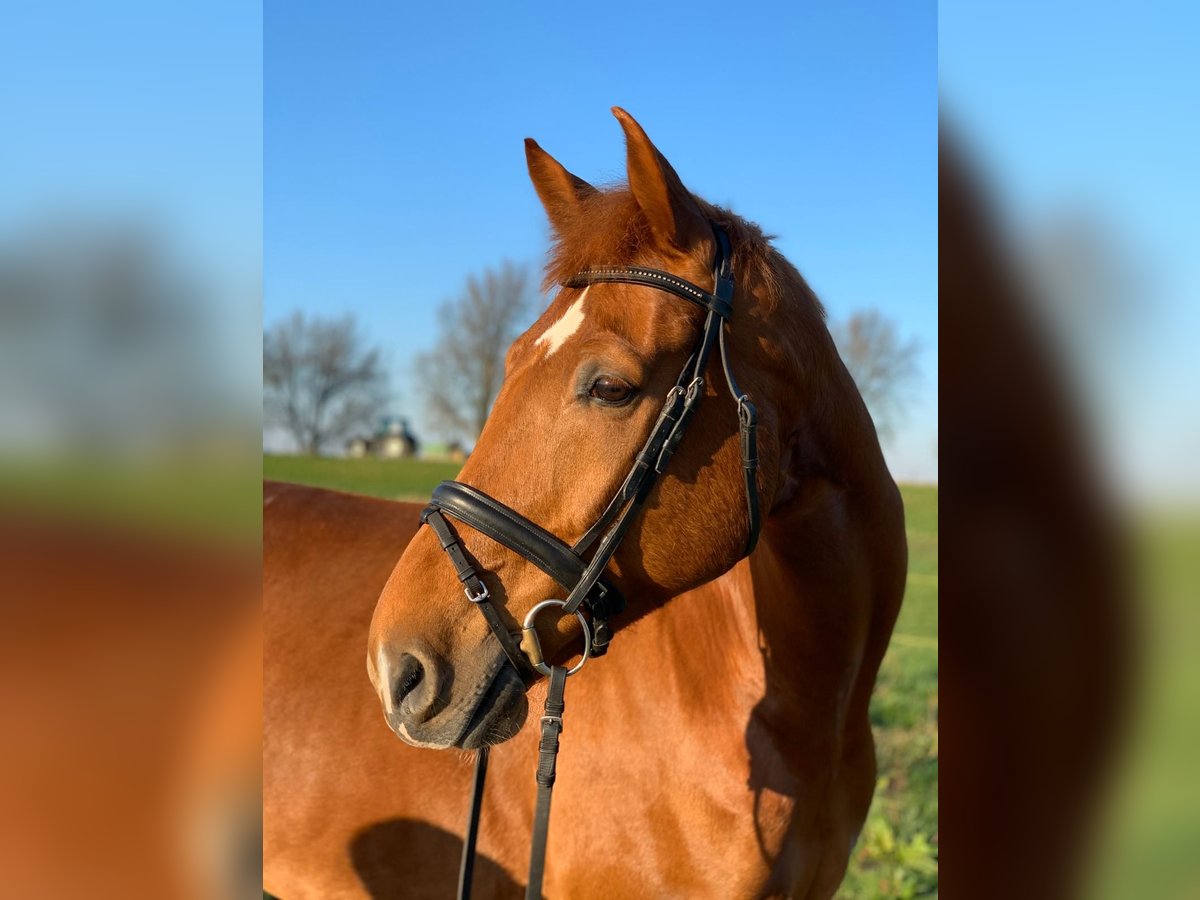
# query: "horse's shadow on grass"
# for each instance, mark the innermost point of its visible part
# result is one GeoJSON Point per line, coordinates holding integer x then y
{"type": "Point", "coordinates": [402, 858]}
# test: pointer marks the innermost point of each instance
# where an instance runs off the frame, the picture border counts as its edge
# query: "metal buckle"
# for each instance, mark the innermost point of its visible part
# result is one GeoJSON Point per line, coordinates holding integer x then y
{"type": "Point", "coordinates": [533, 647]}
{"type": "Point", "coordinates": [477, 598]}
{"type": "Point", "coordinates": [747, 414]}
{"type": "Point", "coordinates": [674, 396]}
{"type": "Point", "coordinates": [671, 444]}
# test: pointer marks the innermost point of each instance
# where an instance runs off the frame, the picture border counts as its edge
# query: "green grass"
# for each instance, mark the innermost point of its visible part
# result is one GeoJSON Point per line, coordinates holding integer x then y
{"type": "Point", "coordinates": [897, 853]}
{"type": "Point", "coordinates": [393, 479]}
{"type": "Point", "coordinates": [1151, 831]}
{"type": "Point", "coordinates": [195, 498]}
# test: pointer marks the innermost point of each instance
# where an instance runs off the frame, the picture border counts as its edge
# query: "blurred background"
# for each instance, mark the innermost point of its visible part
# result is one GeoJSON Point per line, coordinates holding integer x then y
{"type": "Point", "coordinates": [1068, 325]}
{"type": "Point", "coordinates": [130, 392]}
{"type": "Point", "coordinates": [157, 156]}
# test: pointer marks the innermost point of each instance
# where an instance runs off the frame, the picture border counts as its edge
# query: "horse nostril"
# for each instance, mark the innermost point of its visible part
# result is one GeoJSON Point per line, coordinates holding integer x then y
{"type": "Point", "coordinates": [414, 680]}
{"type": "Point", "coordinates": [408, 678]}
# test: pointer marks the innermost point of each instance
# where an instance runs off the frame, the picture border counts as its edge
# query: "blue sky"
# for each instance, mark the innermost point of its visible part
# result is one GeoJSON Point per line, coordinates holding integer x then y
{"type": "Point", "coordinates": [139, 108]}
{"type": "Point", "coordinates": [394, 165]}
{"type": "Point", "coordinates": [142, 115]}
{"type": "Point", "coordinates": [1094, 109]}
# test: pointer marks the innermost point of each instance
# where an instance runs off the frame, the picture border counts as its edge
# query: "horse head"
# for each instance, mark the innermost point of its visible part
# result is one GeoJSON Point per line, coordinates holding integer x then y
{"type": "Point", "coordinates": [584, 387]}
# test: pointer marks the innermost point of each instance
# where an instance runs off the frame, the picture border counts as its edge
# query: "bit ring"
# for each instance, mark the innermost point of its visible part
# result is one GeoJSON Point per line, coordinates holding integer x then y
{"type": "Point", "coordinates": [533, 647]}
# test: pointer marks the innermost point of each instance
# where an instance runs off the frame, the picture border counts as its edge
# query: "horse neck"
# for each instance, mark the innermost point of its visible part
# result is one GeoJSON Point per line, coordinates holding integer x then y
{"type": "Point", "coordinates": [801, 614]}
{"type": "Point", "coordinates": [743, 642]}
{"type": "Point", "coordinates": [791, 620]}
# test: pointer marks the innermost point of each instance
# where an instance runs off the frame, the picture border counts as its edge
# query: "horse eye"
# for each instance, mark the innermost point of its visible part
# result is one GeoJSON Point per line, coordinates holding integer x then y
{"type": "Point", "coordinates": [607, 389]}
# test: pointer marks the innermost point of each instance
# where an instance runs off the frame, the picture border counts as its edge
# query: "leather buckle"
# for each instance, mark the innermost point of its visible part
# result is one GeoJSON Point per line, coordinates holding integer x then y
{"type": "Point", "coordinates": [748, 422]}
{"type": "Point", "coordinates": [747, 413]}
{"type": "Point", "coordinates": [690, 400]}
{"type": "Point", "coordinates": [601, 636]}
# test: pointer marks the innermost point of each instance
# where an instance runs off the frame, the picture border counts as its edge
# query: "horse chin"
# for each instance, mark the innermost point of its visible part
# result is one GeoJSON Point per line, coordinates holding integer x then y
{"type": "Point", "coordinates": [500, 714]}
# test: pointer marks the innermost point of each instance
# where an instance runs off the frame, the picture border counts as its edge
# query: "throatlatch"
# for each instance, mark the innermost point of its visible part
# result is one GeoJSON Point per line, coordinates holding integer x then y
{"type": "Point", "coordinates": [581, 575]}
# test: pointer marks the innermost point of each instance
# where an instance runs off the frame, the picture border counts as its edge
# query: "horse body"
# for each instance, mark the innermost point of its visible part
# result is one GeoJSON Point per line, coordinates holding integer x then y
{"type": "Point", "coordinates": [722, 748]}
{"type": "Point", "coordinates": [699, 758]}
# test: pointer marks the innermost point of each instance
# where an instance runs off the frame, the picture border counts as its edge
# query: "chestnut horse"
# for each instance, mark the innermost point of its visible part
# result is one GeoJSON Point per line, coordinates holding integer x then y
{"type": "Point", "coordinates": [722, 748]}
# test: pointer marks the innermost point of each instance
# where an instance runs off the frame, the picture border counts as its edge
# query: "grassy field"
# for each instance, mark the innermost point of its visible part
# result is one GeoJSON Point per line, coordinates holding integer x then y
{"type": "Point", "coordinates": [391, 479]}
{"type": "Point", "coordinates": [897, 853]}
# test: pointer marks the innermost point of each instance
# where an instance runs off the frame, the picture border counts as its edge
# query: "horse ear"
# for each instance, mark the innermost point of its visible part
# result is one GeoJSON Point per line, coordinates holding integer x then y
{"type": "Point", "coordinates": [559, 190]}
{"type": "Point", "coordinates": [672, 211]}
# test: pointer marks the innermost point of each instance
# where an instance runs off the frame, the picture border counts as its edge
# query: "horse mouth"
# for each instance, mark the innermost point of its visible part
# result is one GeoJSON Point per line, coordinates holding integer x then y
{"type": "Point", "coordinates": [499, 714]}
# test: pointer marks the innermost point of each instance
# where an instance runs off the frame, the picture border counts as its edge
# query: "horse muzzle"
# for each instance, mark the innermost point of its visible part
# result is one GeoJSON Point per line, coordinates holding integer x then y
{"type": "Point", "coordinates": [430, 703]}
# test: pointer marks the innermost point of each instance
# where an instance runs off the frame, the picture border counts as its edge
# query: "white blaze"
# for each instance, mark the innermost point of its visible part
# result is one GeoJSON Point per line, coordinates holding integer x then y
{"type": "Point", "coordinates": [556, 335]}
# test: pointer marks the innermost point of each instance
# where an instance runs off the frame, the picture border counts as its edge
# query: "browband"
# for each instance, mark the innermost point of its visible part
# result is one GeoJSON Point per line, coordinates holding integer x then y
{"type": "Point", "coordinates": [655, 278]}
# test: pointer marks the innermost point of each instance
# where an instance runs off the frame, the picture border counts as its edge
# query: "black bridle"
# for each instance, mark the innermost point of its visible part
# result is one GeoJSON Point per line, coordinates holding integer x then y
{"type": "Point", "coordinates": [571, 566]}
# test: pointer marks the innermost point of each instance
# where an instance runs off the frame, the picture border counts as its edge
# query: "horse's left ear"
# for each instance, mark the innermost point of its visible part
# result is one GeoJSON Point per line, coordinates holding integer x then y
{"type": "Point", "coordinates": [559, 190]}
{"type": "Point", "coordinates": [672, 212]}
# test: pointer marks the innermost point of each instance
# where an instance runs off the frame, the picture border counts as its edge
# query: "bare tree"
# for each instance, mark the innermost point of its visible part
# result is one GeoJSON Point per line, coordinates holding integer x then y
{"type": "Point", "coordinates": [463, 371]}
{"type": "Point", "coordinates": [319, 379]}
{"type": "Point", "coordinates": [883, 365]}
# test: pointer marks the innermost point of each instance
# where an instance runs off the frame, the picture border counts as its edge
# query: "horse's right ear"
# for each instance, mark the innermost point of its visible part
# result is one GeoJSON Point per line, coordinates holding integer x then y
{"type": "Point", "coordinates": [559, 190]}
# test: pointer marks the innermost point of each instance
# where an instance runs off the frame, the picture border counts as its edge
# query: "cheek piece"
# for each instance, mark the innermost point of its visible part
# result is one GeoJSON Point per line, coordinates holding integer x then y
{"type": "Point", "coordinates": [579, 569]}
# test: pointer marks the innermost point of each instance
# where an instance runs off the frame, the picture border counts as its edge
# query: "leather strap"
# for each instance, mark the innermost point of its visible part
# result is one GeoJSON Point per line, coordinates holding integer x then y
{"type": "Point", "coordinates": [552, 726]}
{"type": "Point", "coordinates": [508, 527]}
{"type": "Point", "coordinates": [466, 867]}
{"type": "Point", "coordinates": [478, 593]}
{"type": "Point", "coordinates": [643, 464]}
{"type": "Point", "coordinates": [748, 429]}
{"type": "Point", "coordinates": [631, 496]}
{"type": "Point", "coordinates": [665, 437]}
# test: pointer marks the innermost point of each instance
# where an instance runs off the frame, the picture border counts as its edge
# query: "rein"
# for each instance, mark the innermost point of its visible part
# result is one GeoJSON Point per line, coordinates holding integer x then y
{"type": "Point", "coordinates": [570, 566]}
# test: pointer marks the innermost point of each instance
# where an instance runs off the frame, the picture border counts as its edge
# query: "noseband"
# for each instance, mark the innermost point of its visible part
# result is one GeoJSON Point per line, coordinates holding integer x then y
{"type": "Point", "coordinates": [579, 569]}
